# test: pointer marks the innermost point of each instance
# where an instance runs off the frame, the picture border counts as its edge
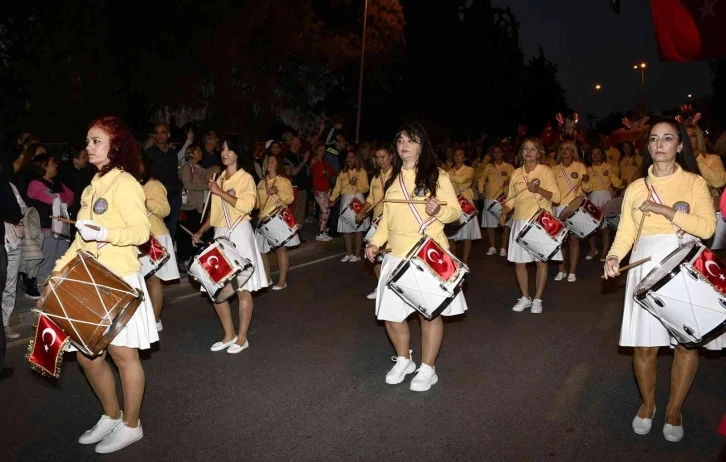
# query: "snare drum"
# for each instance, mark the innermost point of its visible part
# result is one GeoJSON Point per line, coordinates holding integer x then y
{"type": "Point", "coordinates": [153, 256]}
{"type": "Point", "coordinates": [220, 269]}
{"type": "Point", "coordinates": [372, 230]}
{"type": "Point", "coordinates": [496, 207]}
{"type": "Point", "coordinates": [348, 215]}
{"type": "Point", "coordinates": [468, 210]}
{"type": "Point", "coordinates": [687, 293]}
{"type": "Point", "coordinates": [278, 227]}
{"type": "Point", "coordinates": [89, 302]}
{"type": "Point", "coordinates": [428, 278]}
{"type": "Point", "coordinates": [542, 236]}
{"type": "Point", "coordinates": [582, 217]}
{"type": "Point", "coordinates": [611, 211]}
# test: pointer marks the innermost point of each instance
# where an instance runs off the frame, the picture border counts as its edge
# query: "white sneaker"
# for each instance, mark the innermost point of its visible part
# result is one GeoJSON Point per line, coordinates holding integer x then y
{"type": "Point", "coordinates": [536, 306]}
{"type": "Point", "coordinates": [345, 259]}
{"type": "Point", "coordinates": [373, 295]}
{"type": "Point", "coordinates": [560, 276]}
{"type": "Point", "coordinates": [121, 436]}
{"type": "Point", "coordinates": [503, 252]}
{"type": "Point", "coordinates": [327, 238]}
{"type": "Point", "coordinates": [491, 251]}
{"type": "Point", "coordinates": [159, 327]}
{"type": "Point", "coordinates": [571, 277]}
{"type": "Point", "coordinates": [321, 238]}
{"type": "Point", "coordinates": [354, 259]}
{"type": "Point", "coordinates": [102, 429]}
{"type": "Point", "coordinates": [522, 304]}
{"type": "Point", "coordinates": [403, 367]}
{"type": "Point", "coordinates": [424, 379]}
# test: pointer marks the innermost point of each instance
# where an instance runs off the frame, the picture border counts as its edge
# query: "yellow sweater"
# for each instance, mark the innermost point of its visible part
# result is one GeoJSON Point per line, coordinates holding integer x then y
{"type": "Point", "coordinates": [494, 177]}
{"type": "Point", "coordinates": [343, 186]}
{"type": "Point", "coordinates": [376, 192]}
{"type": "Point", "coordinates": [158, 205]}
{"type": "Point", "coordinates": [631, 168]}
{"type": "Point", "coordinates": [284, 195]}
{"type": "Point", "coordinates": [612, 156]}
{"type": "Point", "coordinates": [683, 187]}
{"type": "Point", "coordinates": [603, 177]}
{"type": "Point", "coordinates": [527, 203]}
{"type": "Point", "coordinates": [568, 181]}
{"type": "Point", "coordinates": [462, 180]}
{"type": "Point", "coordinates": [118, 200]}
{"type": "Point", "coordinates": [712, 170]}
{"type": "Point", "coordinates": [399, 226]}
{"type": "Point", "coordinates": [242, 186]}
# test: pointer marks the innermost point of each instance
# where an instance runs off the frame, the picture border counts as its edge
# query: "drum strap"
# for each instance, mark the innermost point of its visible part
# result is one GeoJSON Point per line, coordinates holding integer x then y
{"type": "Point", "coordinates": [422, 225]}
{"type": "Point", "coordinates": [355, 189]}
{"type": "Point", "coordinates": [658, 200]}
{"type": "Point", "coordinates": [497, 176]}
{"type": "Point", "coordinates": [569, 183]}
{"type": "Point", "coordinates": [526, 183]}
{"type": "Point", "coordinates": [599, 177]}
{"type": "Point", "coordinates": [274, 198]}
{"type": "Point", "coordinates": [231, 226]}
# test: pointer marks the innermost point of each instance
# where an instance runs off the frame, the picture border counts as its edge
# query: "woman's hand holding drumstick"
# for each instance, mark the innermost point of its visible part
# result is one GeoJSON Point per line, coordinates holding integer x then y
{"type": "Point", "coordinates": [209, 196]}
{"type": "Point", "coordinates": [613, 269]}
{"type": "Point", "coordinates": [372, 251]}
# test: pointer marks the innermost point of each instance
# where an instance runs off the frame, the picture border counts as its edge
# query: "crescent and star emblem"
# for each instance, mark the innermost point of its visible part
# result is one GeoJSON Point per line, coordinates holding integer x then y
{"type": "Point", "coordinates": [719, 275]}
{"type": "Point", "coordinates": [546, 221]}
{"type": "Point", "coordinates": [50, 331]}
{"type": "Point", "coordinates": [438, 259]}
{"type": "Point", "coordinates": [216, 260]}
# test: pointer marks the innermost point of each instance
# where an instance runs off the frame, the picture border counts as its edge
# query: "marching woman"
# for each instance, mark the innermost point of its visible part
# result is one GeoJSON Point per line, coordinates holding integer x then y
{"type": "Point", "coordinates": [273, 191]}
{"type": "Point", "coordinates": [414, 174]}
{"type": "Point", "coordinates": [234, 196]}
{"type": "Point", "coordinates": [157, 208]}
{"type": "Point", "coordinates": [570, 174]}
{"type": "Point", "coordinates": [462, 178]}
{"type": "Point", "coordinates": [604, 178]}
{"type": "Point", "coordinates": [710, 166]}
{"type": "Point", "coordinates": [677, 207]}
{"type": "Point", "coordinates": [379, 185]}
{"type": "Point", "coordinates": [114, 205]}
{"type": "Point", "coordinates": [352, 183]}
{"type": "Point", "coordinates": [534, 195]}
{"type": "Point", "coordinates": [631, 164]}
{"type": "Point", "coordinates": [495, 178]}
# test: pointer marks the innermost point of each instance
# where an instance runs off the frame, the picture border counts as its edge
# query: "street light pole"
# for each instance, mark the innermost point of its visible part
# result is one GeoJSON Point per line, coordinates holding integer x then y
{"type": "Point", "coordinates": [360, 78]}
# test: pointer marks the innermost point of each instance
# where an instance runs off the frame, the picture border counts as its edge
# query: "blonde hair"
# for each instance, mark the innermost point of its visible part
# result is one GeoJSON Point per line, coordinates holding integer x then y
{"type": "Point", "coordinates": [537, 144]}
{"type": "Point", "coordinates": [561, 147]}
{"type": "Point", "coordinates": [699, 135]}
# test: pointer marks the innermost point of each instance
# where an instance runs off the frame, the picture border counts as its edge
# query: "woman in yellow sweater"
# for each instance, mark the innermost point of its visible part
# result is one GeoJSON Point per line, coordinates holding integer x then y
{"type": "Point", "coordinates": [541, 194]}
{"type": "Point", "coordinates": [492, 183]}
{"type": "Point", "coordinates": [273, 191]}
{"type": "Point", "coordinates": [352, 183]}
{"type": "Point", "coordinates": [631, 164]}
{"type": "Point", "coordinates": [570, 174]}
{"type": "Point", "coordinates": [414, 168]}
{"type": "Point", "coordinates": [234, 196]}
{"type": "Point", "coordinates": [462, 178]}
{"type": "Point", "coordinates": [678, 208]}
{"type": "Point", "coordinates": [114, 205]}
{"type": "Point", "coordinates": [157, 207]}
{"type": "Point", "coordinates": [604, 178]}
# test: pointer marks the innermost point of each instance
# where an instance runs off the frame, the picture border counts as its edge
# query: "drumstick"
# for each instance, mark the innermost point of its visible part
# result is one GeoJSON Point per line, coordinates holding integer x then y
{"type": "Point", "coordinates": [574, 188]}
{"type": "Point", "coordinates": [406, 201]}
{"type": "Point", "coordinates": [186, 230]}
{"type": "Point", "coordinates": [535, 181]}
{"type": "Point", "coordinates": [206, 202]}
{"type": "Point", "coordinates": [371, 208]}
{"type": "Point", "coordinates": [640, 229]}
{"type": "Point", "coordinates": [631, 266]}
{"type": "Point", "coordinates": [73, 222]}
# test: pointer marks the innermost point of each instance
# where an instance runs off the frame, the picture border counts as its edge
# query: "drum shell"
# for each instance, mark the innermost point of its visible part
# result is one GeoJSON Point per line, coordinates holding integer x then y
{"type": "Point", "coordinates": [145, 253]}
{"type": "Point", "coordinates": [549, 245]}
{"type": "Point", "coordinates": [222, 290]}
{"type": "Point", "coordinates": [270, 229]}
{"type": "Point", "coordinates": [581, 223]}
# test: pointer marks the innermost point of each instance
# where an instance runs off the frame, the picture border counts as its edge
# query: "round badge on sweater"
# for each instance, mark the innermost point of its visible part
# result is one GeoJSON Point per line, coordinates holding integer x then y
{"type": "Point", "coordinates": [682, 206]}
{"type": "Point", "coordinates": [605, 173]}
{"type": "Point", "coordinates": [504, 173]}
{"type": "Point", "coordinates": [574, 175]}
{"type": "Point", "coordinates": [100, 206]}
{"type": "Point", "coordinates": [635, 164]}
{"type": "Point", "coordinates": [231, 192]}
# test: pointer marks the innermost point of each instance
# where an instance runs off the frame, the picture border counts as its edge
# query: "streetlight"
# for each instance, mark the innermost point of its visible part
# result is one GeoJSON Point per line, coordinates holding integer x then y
{"type": "Point", "coordinates": [690, 95]}
{"type": "Point", "coordinates": [641, 67]}
{"type": "Point", "coordinates": [598, 87]}
{"type": "Point", "coordinates": [360, 78]}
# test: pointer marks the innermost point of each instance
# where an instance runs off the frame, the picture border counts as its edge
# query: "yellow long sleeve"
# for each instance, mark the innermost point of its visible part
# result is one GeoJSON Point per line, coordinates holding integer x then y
{"type": "Point", "coordinates": [569, 181]}
{"type": "Point", "coordinates": [462, 180]}
{"type": "Point", "coordinates": [712, 170]}
{"type": "Point", "coordinates": [527, 203]}
{"type": "Point", "coordinates": [344, 186]}
{"type": "Point", "coordinates": [375, 193]}
{"type": "Point", "coordinates": [284, 195]}
{"type": "Point", "coordinates": [495, 179]}
{"type": "Point", "coordinates": [158, 204]}
{"type": "Point", "coordinates": [631, 168]}
{"type": "Point", "coordinates": [603, 177]}
{"type": "Point", "coordinates": [242, 186]}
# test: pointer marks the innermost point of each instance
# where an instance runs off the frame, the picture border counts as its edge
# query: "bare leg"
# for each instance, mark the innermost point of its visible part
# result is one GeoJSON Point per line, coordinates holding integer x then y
{"type": "Point", "coordinates": [348, 243]}
{"type": "Point", "coordinates": [245, 315]}
{"type": "Point", "coordinates": [452, 246]}
{"type": "Point", "coordinates": [400, 336]}
{"type": "Point", "coordinates": [133, 381]}
{"type": "Point", "coordinates": [432, 333]}
{"type": "Point", "coordinates": [561, 265]}
{"type": "Point", "coordinates": [466, 251]}
{"type": "Point", "coordinates": [541, 279]}
{"type": "Point", "coordinates": [644, 366]}
{"type": "Point", "coordinates": [593, 244]}
{"type": "Point", "coordinates": [574, 245]}
{"type": "Point", "coordinates": [520, 270]}
{"type": "Point", "coordinates": [492, 240]}
{"type": "Point", "coordinates": [505, 238]}
{"type": "Point", "coordinates": [225, 317]}
{"type": "Point", "coordinates": [283, 263]}
{"type": "Point", "coordinates": [358, 243]}
{"type": "Point", "coordinates": [266, 264]}
{"type": "Point", "coordinates": [99, 375]}
{"type": "Point", "coordinates": [605, 241]}
{"type": "Point", "coordinates": [377, 270]}
{"type": "Point", "coordinates": [156, 293]}
{"type": "Point", "coordinates": [685, 365]}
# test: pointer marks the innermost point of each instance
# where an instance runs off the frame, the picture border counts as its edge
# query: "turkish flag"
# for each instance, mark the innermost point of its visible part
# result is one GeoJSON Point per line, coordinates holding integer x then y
{"type": "Point", "coordinates": [593, 210]}
{"type": "Point", "coordinates": [437, 259]}
{"type": "Point", "coordinates": [550, 224]}
{"type": "Point", "coordinates": [287, 217]}
{"type": "Point", "coordinates": [355, 205]}
{"type": "Point", "coordinates": [689, 30]}
{"type": "Point", "coordinates": [46, 349]}
{"type": "Point", "coordinates": [466, 206]}
{"type": "Point", "coordinates": [215, 264]}
{"type": "Point", "coordinates": [712, 269]}
{"type": "Point", "coordinates": [153, 249]}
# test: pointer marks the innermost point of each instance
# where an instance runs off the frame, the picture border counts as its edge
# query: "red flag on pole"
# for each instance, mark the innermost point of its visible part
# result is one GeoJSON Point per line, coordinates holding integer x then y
{"type": "Point", "coordinates": [45, 351]}
{"type": "Point", "coordinates": [689, 30]}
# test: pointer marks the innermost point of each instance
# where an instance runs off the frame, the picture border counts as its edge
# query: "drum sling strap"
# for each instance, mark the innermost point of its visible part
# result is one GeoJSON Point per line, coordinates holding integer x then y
{"type": "Point", "coordinates": [599, 177]}
{"type": "Point", "coordinates": [497, 176]}
{"type": "Point", "coordinates": [230, 226]}
{"type": "Point", "coordinates": [422, 224]}
{"type": "Point", "coordinates": [652, 192]}
{"type": "Point", "coordinates": [570, 186]}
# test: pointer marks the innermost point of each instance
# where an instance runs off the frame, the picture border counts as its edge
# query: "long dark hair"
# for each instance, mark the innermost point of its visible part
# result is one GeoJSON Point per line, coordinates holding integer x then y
{"type": "Point", "coordinates": [148, 172]}
{"type": "Point", "coordinates": [685, 157]}
{"type": "Point", "coordinates": [427, 171]}
{"type": "Point", "coordinates": [588, 155]}
{"type": "Point", "coordinates": [244, 162]}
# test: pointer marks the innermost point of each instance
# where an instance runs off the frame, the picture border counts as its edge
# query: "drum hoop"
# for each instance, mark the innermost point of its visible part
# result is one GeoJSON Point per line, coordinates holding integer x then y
{"type": "Point", "coordinates": [641, 292]}
{"type": "Point", "coordinates": [574, 210]}
{"type": "Point", "coordinates": [421, 242]}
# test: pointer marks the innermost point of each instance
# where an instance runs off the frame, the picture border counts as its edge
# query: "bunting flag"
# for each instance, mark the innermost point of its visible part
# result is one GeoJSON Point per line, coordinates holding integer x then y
{"type": "Point", "coordinates": [689, 30]}
{"type": "Point", "coordinates": [45, 351]}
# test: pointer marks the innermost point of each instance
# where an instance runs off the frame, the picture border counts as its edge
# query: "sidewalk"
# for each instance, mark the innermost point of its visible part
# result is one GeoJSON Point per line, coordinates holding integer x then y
{"type": "Point", "coordinates": [23, 316]}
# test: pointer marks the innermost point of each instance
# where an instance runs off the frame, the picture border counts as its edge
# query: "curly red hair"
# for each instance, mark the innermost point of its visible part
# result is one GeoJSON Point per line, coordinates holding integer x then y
{"type": "Point", "coordinates": [124, 151]}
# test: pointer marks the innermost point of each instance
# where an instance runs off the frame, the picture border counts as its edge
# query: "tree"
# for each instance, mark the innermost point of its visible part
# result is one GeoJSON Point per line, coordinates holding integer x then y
{"type": "Point", "coordinates": [542, 92]}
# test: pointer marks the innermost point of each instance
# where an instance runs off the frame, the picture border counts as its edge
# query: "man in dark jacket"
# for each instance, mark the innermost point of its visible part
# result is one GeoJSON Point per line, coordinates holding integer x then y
{"type": "Point", "coordinates": [164, 162]}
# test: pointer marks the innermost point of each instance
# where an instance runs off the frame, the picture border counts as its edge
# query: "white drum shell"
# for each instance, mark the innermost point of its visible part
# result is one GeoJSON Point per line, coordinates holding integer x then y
{"type": "Point", "coordinates": [224, 289]}
{"type": "Point", "coordinates": [538, 243]}
{"type": "Point", "coordinates": [276, 230]}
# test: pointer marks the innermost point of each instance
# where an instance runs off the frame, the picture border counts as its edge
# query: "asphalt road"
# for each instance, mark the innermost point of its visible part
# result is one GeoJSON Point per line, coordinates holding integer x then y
{"type": "Point", "coordinates": [512, 386]}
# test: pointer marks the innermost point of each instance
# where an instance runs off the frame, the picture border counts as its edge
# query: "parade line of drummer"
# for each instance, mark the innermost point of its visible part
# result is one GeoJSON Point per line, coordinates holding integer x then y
{"type": "Point", "coordinates": [414, 211]}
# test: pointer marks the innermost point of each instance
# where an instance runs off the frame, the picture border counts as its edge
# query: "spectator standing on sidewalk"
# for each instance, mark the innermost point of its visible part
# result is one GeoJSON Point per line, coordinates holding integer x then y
{"type": "Point", "coordinates": [299, 162]}
{"type": "Point", "coordinates": [164, 161]}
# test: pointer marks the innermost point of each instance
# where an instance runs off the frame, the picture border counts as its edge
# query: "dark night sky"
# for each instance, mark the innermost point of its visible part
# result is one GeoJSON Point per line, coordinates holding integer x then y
{"type": "Point", "coordinates": [592, 44]}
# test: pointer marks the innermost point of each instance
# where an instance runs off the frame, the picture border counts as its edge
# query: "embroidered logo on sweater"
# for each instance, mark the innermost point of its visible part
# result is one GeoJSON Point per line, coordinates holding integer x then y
{"type": "Point", "coordinates": [100, 206]}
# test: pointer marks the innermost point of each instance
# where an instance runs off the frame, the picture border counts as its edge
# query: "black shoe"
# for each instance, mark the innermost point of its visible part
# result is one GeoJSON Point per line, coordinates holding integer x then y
{"type": "Point", "coordinates": [6, 372]}
{"type": "Point", "coordinates": [32, 292]}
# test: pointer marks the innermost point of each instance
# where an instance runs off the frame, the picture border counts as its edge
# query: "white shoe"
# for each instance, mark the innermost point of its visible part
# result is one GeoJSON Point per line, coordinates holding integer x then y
{"type": "Point", "coordinates": [326, 237]}
{"type": "Point", "coordinates": [102, 429]}
{"type": "Point", "coordinates": [522, 304]}
{"type": "Point", "coordinates": [560, 276]}
{"type": "Point", "coordinates": [641, 426]}
{"type": "Point", "coordinates": [219, 346]}
{"type": "Point", "coordinates": [373, 295]}
{"type": "Point", "coordinates": [424, 379]}
{"type": "Point", "coordinates": [536, 306]}
{"type": "Point", "coordinates": [236, 348]}
{"type": "Point", "coordinates": [321, 238]}
{"type": "Point", "coordinates": [354, 259]}
{"type": "Point", "coordinates": [503, 252]}
{"type": "Point", "coordinates": [10, 333]}
{"type": "Point", "coordinates": [345, 259]}
{"type": "Point", "coordinates": [491, 251]}
{"type": "Point", "coordinates": [673, 433]}
{"type": "Point", "coordinates": [121, 436]}
{"type": "Point", "coordinates": [403, 367]}
{"type": "Point", "coordinates": [159, 327]}
{"type": "Point", "coordinates": [571, 277]}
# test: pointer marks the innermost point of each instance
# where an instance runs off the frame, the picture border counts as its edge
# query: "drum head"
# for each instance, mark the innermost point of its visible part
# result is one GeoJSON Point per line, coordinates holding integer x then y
{"type": "Point", "coordinates": [612, 207]}
{"type": "Point", "coordinates": [665, 270]}
{"type": "Point", "coordinates": [571, 208]}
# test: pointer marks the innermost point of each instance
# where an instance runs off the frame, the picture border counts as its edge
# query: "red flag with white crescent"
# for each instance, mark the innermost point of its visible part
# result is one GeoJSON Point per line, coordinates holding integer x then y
{"type": "Point", "coordinates": [437, 259]}
{"type": "Point", "coordinates": [45, 351]}
{"type": "Point", "coordinates": [287, 217]}
{"type": "Point", "coordinates": [466, 206]}
{"type": "Point", "coordinates": [215, 264]}
{"type": "Point", "coordinates": [593, 210]}
{"type": "Point", "coordinates": [550, 224]}
{"type": "Point", "coordinates": [356, 205]}
{"type": "Point", "coordinates": [153, 249]}
{"type": "Point", "coordinates": [712, 269]}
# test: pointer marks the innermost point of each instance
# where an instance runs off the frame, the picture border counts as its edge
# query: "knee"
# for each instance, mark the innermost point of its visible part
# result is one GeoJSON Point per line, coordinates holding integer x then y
{"type": "Point", "coordinates": [126, 357]}
{"type": "Point", "coordinates": [645, 353]}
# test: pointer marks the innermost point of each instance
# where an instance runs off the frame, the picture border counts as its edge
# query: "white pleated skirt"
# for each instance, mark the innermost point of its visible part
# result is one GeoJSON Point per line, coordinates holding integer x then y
{"type": "Point", "coordinates": [640, 328]}
{"type": "Point", "coordinates": [516, 253]}
{"type": "Point", "coordinates": [344, 227]}
{"type": "Point", "coordinates": [487, 219]}
{"type": "Point", "coordinates": [243, 238]}
{"type": "Point", "coordinates": [169, 270]}
{"type": "Point", "coordinates": [600, 198]}
{"type": "Point", "coordinates": [264, 245]}
{"type": "Point", "coordinates": [469, 231]}
{"type": "Point", "coordinates": [391, 307]}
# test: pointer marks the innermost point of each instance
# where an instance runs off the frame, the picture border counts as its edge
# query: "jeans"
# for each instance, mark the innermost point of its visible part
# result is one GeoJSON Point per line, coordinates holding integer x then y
{"type": "Point", "coordinates": [171, 221]}
{"type": "Point", "coordinates": [53, 249]}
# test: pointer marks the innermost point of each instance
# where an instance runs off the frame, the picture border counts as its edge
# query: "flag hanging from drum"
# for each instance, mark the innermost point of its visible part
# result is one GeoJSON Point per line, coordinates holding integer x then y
{"type": "Point", "coordinates": [550, 224]}
{"type": "Point", "coordinates": [712, 269]}
{"type": "Point", "coordinates": [45, 350]}
{"type": "Point", "coordinates": [215, 264]}
{"type": "Point", "coordinates": [287, 217]}
{"type": "Point", "coordinates": [466, 206]}
{"type": "Point", "coordinates": [437, 259]}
